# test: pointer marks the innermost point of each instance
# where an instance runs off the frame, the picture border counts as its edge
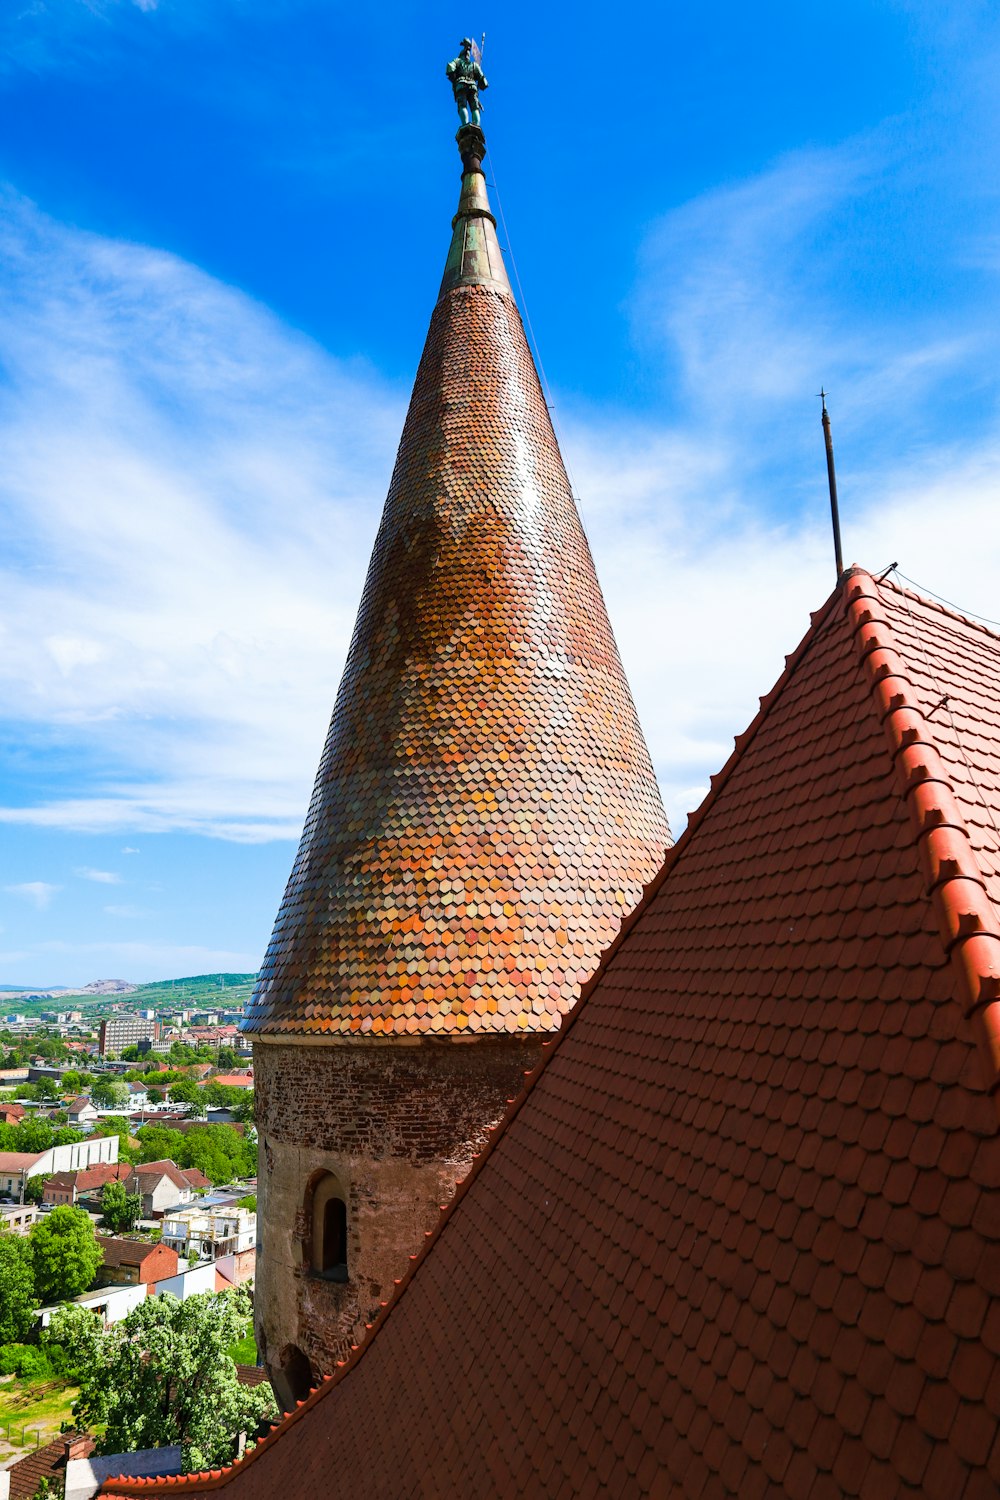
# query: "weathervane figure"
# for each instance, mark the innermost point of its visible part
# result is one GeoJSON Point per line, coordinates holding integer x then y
{"type": "Point", "coordinates": [467, 78]}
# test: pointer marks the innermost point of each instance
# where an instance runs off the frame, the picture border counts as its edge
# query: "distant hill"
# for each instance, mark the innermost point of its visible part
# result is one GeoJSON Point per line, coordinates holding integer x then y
{"type": "Point", "coordinates": [196, 991]}
{"type": "Point", "coordinates": [193, 992]}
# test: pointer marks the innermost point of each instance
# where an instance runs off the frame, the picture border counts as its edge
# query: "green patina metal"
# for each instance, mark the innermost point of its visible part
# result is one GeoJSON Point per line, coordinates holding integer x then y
{"type": "Point", "coordinates": [467, 78]}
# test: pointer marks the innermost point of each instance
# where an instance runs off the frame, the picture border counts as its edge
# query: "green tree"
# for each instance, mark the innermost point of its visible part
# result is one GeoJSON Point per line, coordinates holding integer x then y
{"type": "Point", "coordinates": [65, 1254]}
{"type": "Point", "coordinates": [109, 1093]}
{"type": "Point", "coordinates": [17, 1288]}
{"type": "Point", "coordinates": [162, 1375]}
{"type": "Point", "coordinates": [34, 1188]}
{"type": "Point", "coordinates": [243, 1109]}
{"type": "Point", "coordinates": [120, 1210]}
{"type": "Point", "coordinates": [249, 1202]}
{"type": "Point", "coordinates": [226, 1057]}
{"type": "Point", "coordinates": [160, 1143]}
{"type": "Point", "coordinates": [72, 1081]}
{"type": "Point", "coordinates": [186, 1092]}
{"type": "Point", "coordinates": [47, 1089]}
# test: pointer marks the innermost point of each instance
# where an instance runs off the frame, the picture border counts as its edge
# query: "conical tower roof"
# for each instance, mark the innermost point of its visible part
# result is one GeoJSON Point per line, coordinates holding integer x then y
{"type": "Point", "coordinates": [485, 811]}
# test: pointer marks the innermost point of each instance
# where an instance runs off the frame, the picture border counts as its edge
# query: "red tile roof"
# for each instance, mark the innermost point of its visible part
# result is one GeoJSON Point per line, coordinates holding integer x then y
{"type": "Point", "coordinates": [89, 1178]}
{"type": "Point", "coordinates": [740, 1233]}
{"type": "Point", "coordinates": [153, 1171]}
{"type": "Point", "coordinates": [127, 1252]}
{"type": "Point", "coordinates": [485, 811]}
{"type": "Point", "coordinates": [18, 1161]}
{"type": "Point", "coordinates": [47, 1462]}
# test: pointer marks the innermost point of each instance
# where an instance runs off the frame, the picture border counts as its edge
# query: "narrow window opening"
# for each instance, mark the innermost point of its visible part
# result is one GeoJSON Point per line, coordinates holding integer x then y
{"type": "Point", "coordinates": [334, 1237]}
{"type": "Point", "coordinates": [328, 1251]}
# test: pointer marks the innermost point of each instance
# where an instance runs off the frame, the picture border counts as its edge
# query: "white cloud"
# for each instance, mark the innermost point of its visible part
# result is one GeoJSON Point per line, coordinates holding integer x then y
{"type": "Point", "coordinates": [38, 892]}
{"type": "Point", "coordinates": [102, 877]}
{"type": "Point", "coordinates": [196, 489]}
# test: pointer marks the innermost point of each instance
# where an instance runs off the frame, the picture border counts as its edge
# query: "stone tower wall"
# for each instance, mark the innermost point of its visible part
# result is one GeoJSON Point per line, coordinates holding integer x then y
{"type": "Point", "coordinates": [398, 1125]}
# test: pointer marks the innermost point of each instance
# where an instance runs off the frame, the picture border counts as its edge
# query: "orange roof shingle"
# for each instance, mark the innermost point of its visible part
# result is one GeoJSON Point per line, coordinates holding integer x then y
{"type": "Point", "coordinates": [485, 811]}
{"type": "Point", "coordinates": [739, 1235]}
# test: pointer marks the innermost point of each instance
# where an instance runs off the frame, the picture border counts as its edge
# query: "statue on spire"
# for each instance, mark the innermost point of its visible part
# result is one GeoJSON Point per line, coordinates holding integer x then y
{"type": "Point", "coordinates": [467, 78]}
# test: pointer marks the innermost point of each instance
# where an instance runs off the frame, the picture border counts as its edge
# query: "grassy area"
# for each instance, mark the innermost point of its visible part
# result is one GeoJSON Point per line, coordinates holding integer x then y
{"type": "Point", "coordinates": [244, 1352]}
{"type": "Point", "coordinates": [41, 1405]}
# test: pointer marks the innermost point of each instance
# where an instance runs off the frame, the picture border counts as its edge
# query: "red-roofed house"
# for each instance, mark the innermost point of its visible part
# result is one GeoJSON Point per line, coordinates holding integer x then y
{"type": "Point", "coordinates": [739, 1234]}
{"type": "Point", "coordinates": [161, 1185]}
{"type": "Point", "coordinates": [134, 1261]}
{"type": "Point", "coordinates": [233, 1080]}
{"type": "Point", "coordinates": [11, 1113]}
{"type": "Point", "coordinates": [87, 1182]}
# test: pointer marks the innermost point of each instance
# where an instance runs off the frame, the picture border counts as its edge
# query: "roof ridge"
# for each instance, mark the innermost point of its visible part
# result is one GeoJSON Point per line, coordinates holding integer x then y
{"type": "Point", "coordinates": [931, 601]}
{"type": "Point", "coordinates": [953, 880]}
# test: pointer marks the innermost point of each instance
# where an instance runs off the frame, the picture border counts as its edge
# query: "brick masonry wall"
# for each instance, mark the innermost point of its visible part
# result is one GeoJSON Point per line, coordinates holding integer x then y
{"type": "Point", "coordinates": [398, 1124]}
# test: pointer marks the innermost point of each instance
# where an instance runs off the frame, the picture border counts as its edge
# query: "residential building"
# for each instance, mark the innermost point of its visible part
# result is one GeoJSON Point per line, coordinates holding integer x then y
{"type": "Point", "coordinates": [81, 1111]}
{"type": "Point", "coordinates": [120, 1031]}
{"type": "Point", "coordinates": [240, 1268]}
{"type": "Point", "coordinates": [85, 1185]}
{"type": "Point", "coordinates": [17, 1166]}
{"type": "Point", "coordinates": [111, 1303]}
{"type": "Point", "coordinates": [210, 1232]}
{"type": "Point", "coordinates": [11, 1113]}
{"type": "Point", "coordinates": [161, 1185]}
{"type": "Point", "coordinates": [129, 1262]}
{"type": "Point", "coordinates": [17, 1218]}
{"type": "Point", "coordinates": [193, 1282]}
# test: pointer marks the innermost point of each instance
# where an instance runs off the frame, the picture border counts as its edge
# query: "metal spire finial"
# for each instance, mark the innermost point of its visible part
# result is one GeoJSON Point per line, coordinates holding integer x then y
{"type": "Point", "coordinates": [832, 477]}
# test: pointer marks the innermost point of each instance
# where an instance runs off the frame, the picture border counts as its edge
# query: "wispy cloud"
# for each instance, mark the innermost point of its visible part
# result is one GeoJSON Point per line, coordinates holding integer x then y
{"type": "Point", "coordinates": [38, 892]}
{"type": "Point", "coordinates": [194, 487]}
{"type": "Point", "coordinates": [102, 877]}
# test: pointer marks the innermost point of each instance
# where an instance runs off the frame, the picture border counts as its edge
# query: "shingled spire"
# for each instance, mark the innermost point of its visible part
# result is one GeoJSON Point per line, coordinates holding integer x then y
{"type": "Point", "coordinates": [484, 816]}
{"type": "Point", "coordinates": [485, 811]}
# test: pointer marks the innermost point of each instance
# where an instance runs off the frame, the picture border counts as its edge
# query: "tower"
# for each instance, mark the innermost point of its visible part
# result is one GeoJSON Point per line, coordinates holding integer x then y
{"type": "Point", "coordinates": [484, 815]}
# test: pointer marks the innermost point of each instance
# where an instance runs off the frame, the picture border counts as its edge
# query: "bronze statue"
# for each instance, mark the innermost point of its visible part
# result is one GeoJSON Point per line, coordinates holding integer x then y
{"type": "Point", "coordinates": [467, 78]}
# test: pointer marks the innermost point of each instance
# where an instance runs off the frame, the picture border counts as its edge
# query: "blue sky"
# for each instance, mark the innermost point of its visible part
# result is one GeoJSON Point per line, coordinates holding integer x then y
{"type": "Point", "coordinates": [222, 225]}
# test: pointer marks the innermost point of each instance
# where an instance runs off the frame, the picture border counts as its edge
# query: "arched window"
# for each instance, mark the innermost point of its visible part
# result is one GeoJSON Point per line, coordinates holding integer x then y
{"type": "Point", "coordinates": [329, 1229]}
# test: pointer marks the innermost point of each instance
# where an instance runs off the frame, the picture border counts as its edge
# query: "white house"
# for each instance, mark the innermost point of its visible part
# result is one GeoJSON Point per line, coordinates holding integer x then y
{"type": "Point", "coordinates": [112, 1302]}
{"type": "Point", "coordinates": [17, 1166]}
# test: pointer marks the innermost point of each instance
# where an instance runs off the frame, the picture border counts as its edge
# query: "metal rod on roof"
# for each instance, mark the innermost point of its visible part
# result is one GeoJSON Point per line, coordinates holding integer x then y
{"type": "Point", "coordinates": [832, 476]}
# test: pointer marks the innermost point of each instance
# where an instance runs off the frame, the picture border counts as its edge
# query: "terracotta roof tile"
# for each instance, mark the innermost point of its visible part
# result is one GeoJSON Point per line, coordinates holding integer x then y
{"type": "Point", "coordinates": [485, 811]}
{"type": "Point", "coordinates": [739, 1232]}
